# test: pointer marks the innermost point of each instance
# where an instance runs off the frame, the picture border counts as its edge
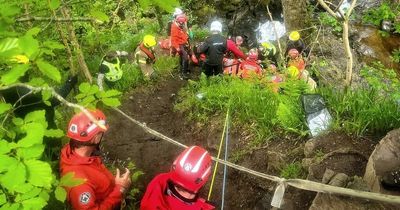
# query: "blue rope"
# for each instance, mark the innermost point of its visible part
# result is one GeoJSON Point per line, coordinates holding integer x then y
{"type": "Point", "coordinates": [225, 167]}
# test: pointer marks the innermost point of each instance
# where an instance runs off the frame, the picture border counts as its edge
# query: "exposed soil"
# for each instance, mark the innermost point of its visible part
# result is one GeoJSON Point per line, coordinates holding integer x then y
{"type": "Point", "coordinates": [155, 106]}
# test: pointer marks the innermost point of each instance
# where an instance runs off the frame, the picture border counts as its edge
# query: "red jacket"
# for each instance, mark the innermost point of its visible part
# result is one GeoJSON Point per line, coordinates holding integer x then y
{"type": "Point", "coordinates": [156, 197]}
{"type": "Point", "coordinates": [178, 36]}
{"type": "Point", "coordinates": [249, 67]}
{"type": "Point", "coordinates": [99, 190]}
{"type": "Point", "coordinates": [231, 47]}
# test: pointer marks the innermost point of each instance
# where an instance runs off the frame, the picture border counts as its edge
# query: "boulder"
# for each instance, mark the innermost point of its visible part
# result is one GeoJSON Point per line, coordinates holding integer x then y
{"type": "Point", "coordinates": [385, 157]}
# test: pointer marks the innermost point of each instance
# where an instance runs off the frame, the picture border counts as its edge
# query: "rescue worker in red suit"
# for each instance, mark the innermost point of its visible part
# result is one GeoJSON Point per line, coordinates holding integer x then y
{"type": "Point", "coordinates": [296, 59]}
{"type": "Point", "coordinates": [180, 44]}
{"type": "Point", "coordinates": [214, 47]}
{"type": "Point", "coordinates": [231, 59]}
{"type": "Point", "coordinates": [101, 190]}
{"type": "Point", "coordinates": [250, 66]}
{"type": "Point", "coordinates": [179, 188]}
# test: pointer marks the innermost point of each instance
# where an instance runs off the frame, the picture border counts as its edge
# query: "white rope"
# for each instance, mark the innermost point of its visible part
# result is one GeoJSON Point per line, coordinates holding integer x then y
{"type": "Point", "coordinates": [298, 183]}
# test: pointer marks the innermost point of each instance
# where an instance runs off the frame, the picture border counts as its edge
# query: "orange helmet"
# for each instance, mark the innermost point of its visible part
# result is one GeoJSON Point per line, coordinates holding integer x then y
{"type": "Point", "coordinates": [81, 128]}
{"type": "Point", "coordinates": [191, 169]}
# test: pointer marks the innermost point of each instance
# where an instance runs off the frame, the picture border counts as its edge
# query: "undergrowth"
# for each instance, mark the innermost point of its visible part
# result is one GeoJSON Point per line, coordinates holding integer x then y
{"type": "Point", "coordinates": [254, 106]}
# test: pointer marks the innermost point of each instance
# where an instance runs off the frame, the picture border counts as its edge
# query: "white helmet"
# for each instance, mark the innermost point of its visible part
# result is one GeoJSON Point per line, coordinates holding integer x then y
{"type": "Point", "coordinates": [177, 12]}
{"type": "Point", "coordinates": [216, 26]}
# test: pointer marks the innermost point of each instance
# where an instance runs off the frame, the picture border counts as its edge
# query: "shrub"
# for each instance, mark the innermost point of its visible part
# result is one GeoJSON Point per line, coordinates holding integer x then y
{"type": "Point", "coordinates": [165, 65]}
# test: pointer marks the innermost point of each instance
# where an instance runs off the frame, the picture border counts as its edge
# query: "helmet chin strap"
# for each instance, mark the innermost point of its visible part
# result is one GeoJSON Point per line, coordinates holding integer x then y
{"type": "Point", "coordinates": [173, 192]}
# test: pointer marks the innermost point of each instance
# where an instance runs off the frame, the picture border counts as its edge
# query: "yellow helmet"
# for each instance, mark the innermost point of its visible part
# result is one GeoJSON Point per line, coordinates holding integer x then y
{"type": "Point", "coordinates": [293, 71]}
{"type": "Point", "coordinates": [269, 46]}
{"type": "Point", "coordinates": [294, 35]}
{"type": "Point", "coordinates": [149, 41]}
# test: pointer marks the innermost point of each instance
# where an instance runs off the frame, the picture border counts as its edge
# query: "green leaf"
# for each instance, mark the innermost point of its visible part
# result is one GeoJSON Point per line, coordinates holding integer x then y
{"type": "Point", "coordinates": [46, 94]}
{"type": "Point", "coordinates": [108, 93]}
{"type": "Point", "coordinates": [34, 203]}
{"type": "Point", "coordinates": [11, 206]}
{"type": "Point", "coordinates": [18, 121]}
{"type": "Point", "coordinates": [8, 46]}
{"type": "Point", "coordinates": [37, 117]}
{"type": "Point", "coordinates": [28, 45]}
{"type": "Point", "coordinates": [35, 133]}
{"type": "Point", "coordinates": [4, 107]}
{"type": "Point", "coordinates": [14, 74]}
{"type": "Point", "coordinates": [24, 188]}
{"type": "Point", "coordinates": [3, 198]}
{"type": "Point", "coordinates": [34, 151]}
{"type": "Point", "coordinates": [113, 102]}
{"type": "Point", "coordinates": [33, 31]}
{"type": "Point", "coordinates": [37, 82]}
{"type": "Point", "coordinates": [68, 180]}
{"type": "Point", "coordinates": [6, 162]}
{"type": "Point", "coordinates": [39, 173]}
{"type": "Point", "coordinates": [60, 193]}
{"type": "Point", "coordinates": [54, 133]}
{"type": "Point", "coordinates": [54, 4]}
{"type": "Point", "coordinates": [93, 90]}
{"type": "Point", "coordinates": [49, 70]}
{"type": "Point", "coordinates": [84, 87]}
{"type": "Point", "coordinates": [8, 10]}
{"type": "Point", "coordinates": [88, 100]}
{"type": "Point", "coordinates": [44, 195]}
{"type": "Point", "coordinates": [33, 192]}
{"type": "Point", "coordinates": [16, 175]}
{"type": "Point", "coordinates": [99, 15]}
{"type": "Point", "coordinates": [144, 4]}
{"type": "Point", "coordinates": [4, 147]}
{"type": "Point", "coordinates": [53, 45]}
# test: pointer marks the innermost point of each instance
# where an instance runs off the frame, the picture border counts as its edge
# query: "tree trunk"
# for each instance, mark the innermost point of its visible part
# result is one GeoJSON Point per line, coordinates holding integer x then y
{"type": "Point", "coordinates": [74, 41]}
{"type": "Point", "coordinates": [295, 14]}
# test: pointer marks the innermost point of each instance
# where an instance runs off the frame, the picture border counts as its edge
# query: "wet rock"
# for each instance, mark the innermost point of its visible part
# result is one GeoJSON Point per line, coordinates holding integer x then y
{"type": "Point", "coordinates": [384, 158]}
{"type": "Point", "coordinates": [327, 176]}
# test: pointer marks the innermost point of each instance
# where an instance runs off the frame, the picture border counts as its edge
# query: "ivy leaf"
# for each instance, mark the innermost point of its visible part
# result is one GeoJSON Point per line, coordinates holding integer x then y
{"type": "Point", "coordinates": [60, 193]}
{"type": "Point", "coordinates": [34, 203]}
{"type": "Point", "coordinates": [99, 15]}
{"type": "Point", "coordinates": [6, 161]}
{"type": "Point", "coordinates": [4, 107]}
{"type": "Point", "coordinates": [39, 173]}
{"type": "Point", "coordinates": [84, 87]}
{"type": "Point", "coordinates": [34, 135]}
{"type": "Point", "coordinates": [53, 45]}
{"type": "Point", "coordinates": [16, 175]}
{"type": "Point", "coordinates": [54, 133]}
{"type": "Point", "coordinates": [28, 45]}
{"type": "Point", "coordinates": [68, 180]}
{"type": "Point", "coordinates": [4, 147]}
{"type": "Point", "coordinates": [14, 74]}
{"type": "Point", "coordinates": [33, 152]}
{"type": "Point", "coordinates": [54, 4]}
{"type": "Point", "coordinates": [113, 102]}
{"type": "Point", "coordinates": [49, 70]}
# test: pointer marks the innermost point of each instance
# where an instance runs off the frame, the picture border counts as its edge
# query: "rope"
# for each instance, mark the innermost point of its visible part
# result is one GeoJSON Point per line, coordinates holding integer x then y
{"type": "Point", "coordinates": [297, 183]}
{"type": "Point", "coordinates": [219, 153]}
{"type": "Point", "coordinates": [225, 158]}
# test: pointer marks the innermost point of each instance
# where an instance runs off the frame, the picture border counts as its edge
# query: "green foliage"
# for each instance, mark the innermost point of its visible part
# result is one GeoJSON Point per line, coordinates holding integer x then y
{"type": "Point", "coordinates": [165, 65]}
{"type": "Point", "coordinates": [328, 20]}
{"type": "Point", "coordinates": [255, 108]}
{"type": "Point", "coordinates": [90, 95]}
{"type": "Point", "coordinates": [199, 34]}
{"type": "Point", "coordinates": [396, 55]}
{"type": "Point", "coordinates": [386, 11]}
{"type": "Point", "coordinates": [292, 171]}
{"type": "Point", "coordinates": [167, 5]}
{"type": "Point", "coordinates": [132, 78]}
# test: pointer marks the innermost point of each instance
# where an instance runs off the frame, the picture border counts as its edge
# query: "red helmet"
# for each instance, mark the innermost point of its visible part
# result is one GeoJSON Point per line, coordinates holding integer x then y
{"type": "Point", "coordinates": [253, 55]}
{"type": "Point", "coordinates": [293, 53]}
{"type": "Point", "coordinates": [191, 169]}
{"type": "Point", "coordinates": [81, 128]}
{"type": "Point", "coordinates": [181, 18]}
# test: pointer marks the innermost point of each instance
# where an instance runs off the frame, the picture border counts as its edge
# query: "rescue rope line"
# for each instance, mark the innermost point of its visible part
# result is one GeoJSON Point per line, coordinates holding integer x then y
{"type": "Point", "coordinates": [225, 158]}
{"type": "Point", "coordinates": [297, 183]}
{"type": "Point", "coordinates": [218, 155]}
